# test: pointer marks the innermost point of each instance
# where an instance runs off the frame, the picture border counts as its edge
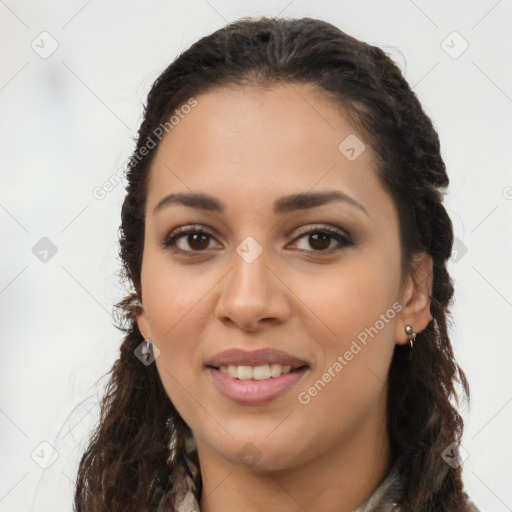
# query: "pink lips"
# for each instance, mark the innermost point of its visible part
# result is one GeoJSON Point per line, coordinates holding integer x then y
{"type": "Point", "coordinates": [251, 391]}
{"type": "Point", "coordinates": [254, 392]}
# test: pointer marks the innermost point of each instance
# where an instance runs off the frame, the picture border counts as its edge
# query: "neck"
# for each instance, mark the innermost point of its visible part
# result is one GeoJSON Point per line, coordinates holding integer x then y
{"type": "Point", "coordinates": [339, 480]}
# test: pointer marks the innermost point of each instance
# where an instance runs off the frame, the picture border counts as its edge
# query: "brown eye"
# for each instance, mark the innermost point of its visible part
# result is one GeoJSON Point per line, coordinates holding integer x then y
{"type": "Point", "coordinates": [319, 238]}
{"type": "Point", "coordinates": [197, 241]}
{"type": "Point", "coordinates": [188, 239]}
{"type": "Point", "coordinates": [320, 241]}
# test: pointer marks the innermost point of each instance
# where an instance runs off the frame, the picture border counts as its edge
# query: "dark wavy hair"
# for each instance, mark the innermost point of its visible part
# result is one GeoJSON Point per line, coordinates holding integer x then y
{"type": "Point", "coordinates": [140, 437]}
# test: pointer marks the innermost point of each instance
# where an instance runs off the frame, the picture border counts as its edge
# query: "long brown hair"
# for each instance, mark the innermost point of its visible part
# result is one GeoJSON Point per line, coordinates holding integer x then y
{"type": "Point", "coordinates": [140, 437]}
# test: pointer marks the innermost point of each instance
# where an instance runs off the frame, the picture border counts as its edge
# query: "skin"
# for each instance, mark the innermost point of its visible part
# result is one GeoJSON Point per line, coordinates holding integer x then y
{"type": "Point", "coordinates": [247, 148]}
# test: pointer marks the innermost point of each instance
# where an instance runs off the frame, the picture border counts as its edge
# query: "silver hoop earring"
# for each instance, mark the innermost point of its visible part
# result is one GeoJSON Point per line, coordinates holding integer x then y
{"type": "Point", "coordinates": [411, 332]}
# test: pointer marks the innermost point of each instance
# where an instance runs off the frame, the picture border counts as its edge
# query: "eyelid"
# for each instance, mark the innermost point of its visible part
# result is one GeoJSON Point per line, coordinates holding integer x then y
{"type": "Point", "coordinates": [324, 228]}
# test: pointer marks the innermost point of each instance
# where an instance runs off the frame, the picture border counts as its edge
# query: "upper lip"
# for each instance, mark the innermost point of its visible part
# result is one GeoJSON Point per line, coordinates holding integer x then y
{"type": "Point", "coordinates": [241, 357]}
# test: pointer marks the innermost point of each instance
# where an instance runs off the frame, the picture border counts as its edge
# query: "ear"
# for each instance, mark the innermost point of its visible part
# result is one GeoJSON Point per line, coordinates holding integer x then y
{"type": "Point", "coordinates": [415, 298]}
{"type": "Point", "coordinates": [143, 323]}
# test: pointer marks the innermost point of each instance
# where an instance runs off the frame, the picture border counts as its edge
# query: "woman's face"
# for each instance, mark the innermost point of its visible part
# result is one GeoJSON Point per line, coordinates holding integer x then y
{"type": "Point", "coordinates": [285, 266]}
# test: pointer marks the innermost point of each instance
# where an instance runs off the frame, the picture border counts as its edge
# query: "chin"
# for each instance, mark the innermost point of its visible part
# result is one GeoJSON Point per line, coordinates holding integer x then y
{"type": "Point", "coordinates": [263, 454]}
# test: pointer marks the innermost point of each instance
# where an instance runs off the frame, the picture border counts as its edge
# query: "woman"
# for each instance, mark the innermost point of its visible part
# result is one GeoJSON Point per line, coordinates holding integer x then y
{"type": "Point", "coordinates": [286, 342]}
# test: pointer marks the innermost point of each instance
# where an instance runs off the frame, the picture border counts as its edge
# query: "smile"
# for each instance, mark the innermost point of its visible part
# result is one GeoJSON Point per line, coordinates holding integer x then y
{"type": "Point", "coordinates": [254, 387]}
{"type": "Point", "coordinates": [261, 372]}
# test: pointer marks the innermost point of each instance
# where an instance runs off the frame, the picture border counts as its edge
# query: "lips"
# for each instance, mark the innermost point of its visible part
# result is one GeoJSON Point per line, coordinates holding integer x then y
{"type": "Point", "coordinates": [256, 392]}
{"type": "Point", "coordinates": [231, 372]}
{"type": "Point", "coordinates": [240, 357]}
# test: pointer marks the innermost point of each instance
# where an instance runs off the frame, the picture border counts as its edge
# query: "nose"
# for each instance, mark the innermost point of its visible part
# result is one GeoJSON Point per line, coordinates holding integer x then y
{"type": "Point", "coordinates": [252, 294]}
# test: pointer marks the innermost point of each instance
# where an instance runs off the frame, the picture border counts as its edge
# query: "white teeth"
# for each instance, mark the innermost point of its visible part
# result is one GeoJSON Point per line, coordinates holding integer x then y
{"type": "Point", "coordinates": [245, 372]}
{"type": "Point", "coordinates": [261, 372]}
{"type": "Point", "coordinates": [275, 370]}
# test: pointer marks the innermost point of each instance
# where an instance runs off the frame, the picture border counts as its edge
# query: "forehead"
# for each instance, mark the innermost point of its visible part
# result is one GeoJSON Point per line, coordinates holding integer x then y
{"type": "Point", "coordinates": [251, 144]}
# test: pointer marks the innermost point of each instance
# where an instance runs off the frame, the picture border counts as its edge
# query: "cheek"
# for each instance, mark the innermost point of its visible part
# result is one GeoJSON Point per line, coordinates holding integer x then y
{"type": "Point", "coordinates": [349, 381]}
{"type": "Point", "coordinates": [354, 297]}
{"type": "Point", "coordinates": [175, 305]}
{"type": "Point", "coordinates": [178, 364]}
{"type": "Point", "coordinates": [358, 313]}
{"type": "Point", "coordinates": [172, 295]}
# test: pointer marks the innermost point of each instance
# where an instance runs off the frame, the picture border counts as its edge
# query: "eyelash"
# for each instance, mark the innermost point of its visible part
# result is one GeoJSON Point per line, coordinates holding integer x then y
{"type": "Point", "coordinates": [338, 235]}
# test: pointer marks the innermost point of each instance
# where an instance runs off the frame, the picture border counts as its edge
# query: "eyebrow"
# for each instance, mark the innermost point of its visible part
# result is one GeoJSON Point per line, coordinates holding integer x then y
{"type": "Point", "coordinates": [285, 204]}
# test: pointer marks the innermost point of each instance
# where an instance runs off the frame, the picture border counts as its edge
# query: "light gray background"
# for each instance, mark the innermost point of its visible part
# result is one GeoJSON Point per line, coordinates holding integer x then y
{"type": "Point", "coordinates": [67, 125]}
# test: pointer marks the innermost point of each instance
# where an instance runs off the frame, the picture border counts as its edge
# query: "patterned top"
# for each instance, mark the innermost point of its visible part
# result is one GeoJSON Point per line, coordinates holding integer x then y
{"type": "Point", "coordinates": [384, 499]}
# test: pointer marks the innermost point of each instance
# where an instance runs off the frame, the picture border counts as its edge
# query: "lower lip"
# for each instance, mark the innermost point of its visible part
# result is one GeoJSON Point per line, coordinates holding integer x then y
{"type": "Point", "coordinates": [254, 392]}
